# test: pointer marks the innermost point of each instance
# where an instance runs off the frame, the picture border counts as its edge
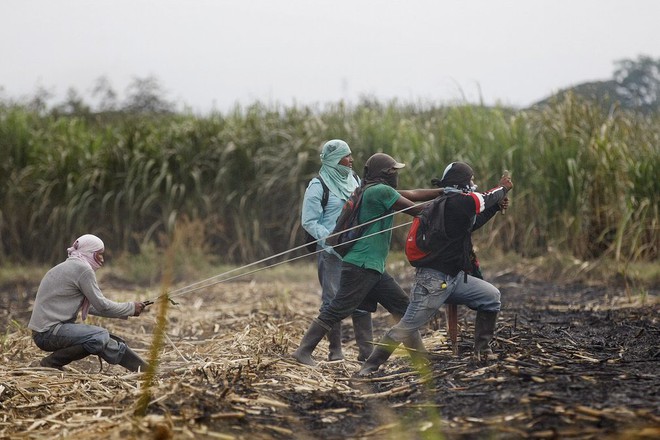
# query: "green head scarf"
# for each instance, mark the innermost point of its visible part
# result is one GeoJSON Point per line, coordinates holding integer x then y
{"type": "Point", "coordinates": [339, 178]}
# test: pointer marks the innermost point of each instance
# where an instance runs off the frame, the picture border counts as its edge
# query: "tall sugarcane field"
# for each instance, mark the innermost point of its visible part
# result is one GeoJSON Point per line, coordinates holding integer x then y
{"type": "Point", "coordinates": [201, 221]}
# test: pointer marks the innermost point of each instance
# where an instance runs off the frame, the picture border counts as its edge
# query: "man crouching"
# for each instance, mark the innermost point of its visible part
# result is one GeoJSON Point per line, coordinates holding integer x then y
{"type": "Point", "coordinates": [69, 288]}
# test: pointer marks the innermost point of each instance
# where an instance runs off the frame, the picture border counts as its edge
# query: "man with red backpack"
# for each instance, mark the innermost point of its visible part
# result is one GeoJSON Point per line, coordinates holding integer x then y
{"type": "Point", "coordinates": [445, 275]}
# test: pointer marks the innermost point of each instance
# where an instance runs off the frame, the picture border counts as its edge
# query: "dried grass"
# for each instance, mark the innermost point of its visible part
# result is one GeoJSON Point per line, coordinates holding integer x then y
{"type": "Point", "coordinates": [224, 373]}
{"type": "Point", "coordinates": [228, 338]}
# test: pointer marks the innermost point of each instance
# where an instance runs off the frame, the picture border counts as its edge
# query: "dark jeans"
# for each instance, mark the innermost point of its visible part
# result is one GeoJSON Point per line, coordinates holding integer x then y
{"type": "Point", "coordinates": [364, 289]}
{"type": "Point", "coordinates": [329, 272]}
{"type": "Point", "coordinates": [95, 340]}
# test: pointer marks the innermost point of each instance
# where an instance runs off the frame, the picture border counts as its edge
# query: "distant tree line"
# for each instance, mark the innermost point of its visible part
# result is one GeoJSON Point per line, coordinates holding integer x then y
{"type": "Point", "coordinates": [635, 85]}
{"type": "Point", "coordinates": [143, 96]}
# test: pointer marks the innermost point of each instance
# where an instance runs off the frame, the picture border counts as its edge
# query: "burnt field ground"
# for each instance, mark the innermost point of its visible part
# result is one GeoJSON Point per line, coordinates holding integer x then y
{"type": "Point", "coordinates": [574, 360]}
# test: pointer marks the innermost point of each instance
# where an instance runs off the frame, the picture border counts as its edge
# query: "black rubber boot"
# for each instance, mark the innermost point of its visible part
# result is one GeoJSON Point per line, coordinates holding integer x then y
{"type": "Point", "coordinates": [313, 336]}
{"type": "Point", "coordinates": [64, 356]}
{"type": "Point", "coordinates": [334, 341]}
{"type": "Point", "coordinates": [417, 351]}
{"type": "Point", "coordinates": [131, 361]}
{"type": "Point", "coordinates": [379, 356]}
{"type": "Point", "coordinates": [484, 329]}
{"type": "Point", "coordinates": [364, 336]}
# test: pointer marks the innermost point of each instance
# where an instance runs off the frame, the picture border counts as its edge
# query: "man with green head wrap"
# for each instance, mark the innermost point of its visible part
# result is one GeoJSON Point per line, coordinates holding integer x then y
{"type": "Point", "coordinates": [337, 175]}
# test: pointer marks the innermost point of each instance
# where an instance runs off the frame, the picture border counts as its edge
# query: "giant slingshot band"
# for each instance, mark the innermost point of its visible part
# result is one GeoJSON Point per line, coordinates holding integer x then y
{"type": "Point", "coordinates": [220, 278]}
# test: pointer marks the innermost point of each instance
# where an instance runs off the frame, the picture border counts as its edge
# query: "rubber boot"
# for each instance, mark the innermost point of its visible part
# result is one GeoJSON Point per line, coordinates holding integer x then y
{"type": "Point", "coordinates": [379, 356]}
{"type": "Point", "coordinates": [334, 340]}
{"type": "Point", "coordinates": [131, 361]}
{"type": "Point", "coordinates": [364, 336]}
{"type": "Point", "coordinates": [64, 356]}
{"type": "Point", "coordinates": [313, 336]}
{"type": "Point", "coordinates": [484, 329]}
{"type": "Point", "coordinates": [417, 351]}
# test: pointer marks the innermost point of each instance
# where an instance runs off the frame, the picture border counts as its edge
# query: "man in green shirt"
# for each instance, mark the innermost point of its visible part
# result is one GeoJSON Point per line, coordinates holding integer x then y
{"type": "Point", "coordinates": [364, 280]}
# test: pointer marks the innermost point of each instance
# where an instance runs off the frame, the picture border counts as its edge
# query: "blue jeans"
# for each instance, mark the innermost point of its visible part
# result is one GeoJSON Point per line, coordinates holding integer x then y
{"type": "Point", "coordinates": [95, 340]}
{"type": "Point", "coordinates": [329, 272]}
{"type": "Point", "coordinates": [428, 295]}
{"type": "Point", "coordinates": [358, 287]}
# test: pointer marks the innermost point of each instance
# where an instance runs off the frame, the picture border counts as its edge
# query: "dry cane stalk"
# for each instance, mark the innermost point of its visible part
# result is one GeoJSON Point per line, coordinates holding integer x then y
{"type": "Point", "coordinates": [159, 334]}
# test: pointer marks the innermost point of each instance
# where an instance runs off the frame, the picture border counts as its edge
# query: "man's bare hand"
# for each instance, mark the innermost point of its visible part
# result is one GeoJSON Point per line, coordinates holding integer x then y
{"type": "Point", "coordinates": [505, 181]}
{"type": "Point", "coordinates": [139, 307]}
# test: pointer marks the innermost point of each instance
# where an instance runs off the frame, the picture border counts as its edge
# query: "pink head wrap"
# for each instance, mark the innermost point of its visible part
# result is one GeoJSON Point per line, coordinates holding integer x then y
{"type": "Point", "coordinates": [85, 248]}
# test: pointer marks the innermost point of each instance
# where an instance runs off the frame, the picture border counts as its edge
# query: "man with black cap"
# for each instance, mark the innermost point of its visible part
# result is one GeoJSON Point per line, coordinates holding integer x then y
{"type": "Point", "coordinates": [364, 282]}
{"type": "Point", "coordinates": [445, 278]}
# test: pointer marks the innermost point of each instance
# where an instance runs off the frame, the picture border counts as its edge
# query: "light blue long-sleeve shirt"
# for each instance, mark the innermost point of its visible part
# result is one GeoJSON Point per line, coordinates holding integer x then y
{"type": "Point", "coordinates": [317, 221]}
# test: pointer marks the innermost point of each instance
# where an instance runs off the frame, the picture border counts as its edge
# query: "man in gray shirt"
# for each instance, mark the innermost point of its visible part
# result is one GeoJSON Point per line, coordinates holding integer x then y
{"type": "Point", "coordinates": [69, 288]}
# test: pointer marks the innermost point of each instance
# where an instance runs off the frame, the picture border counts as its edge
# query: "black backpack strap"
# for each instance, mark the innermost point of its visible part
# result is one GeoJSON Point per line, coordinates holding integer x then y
{"type": "Point", "coordinates": [326, 192]}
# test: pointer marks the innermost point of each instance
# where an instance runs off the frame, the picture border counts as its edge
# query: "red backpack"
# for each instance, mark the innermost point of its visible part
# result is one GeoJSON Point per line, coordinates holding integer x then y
{"type": "Point", "coordinates": [426, 233]}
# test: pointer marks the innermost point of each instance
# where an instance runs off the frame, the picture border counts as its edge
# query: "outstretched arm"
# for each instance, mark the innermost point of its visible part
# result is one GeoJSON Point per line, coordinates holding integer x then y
{"type": "Point", "coordinates": [403, 203]}
{"type": "Point", "coordinates": [100, 305]}
{"type": "Point", "coordinates": [493, 201]}
{"type": "Point", "coordinates": [408, 198]}
{"type": "Point", "coordinates": [420, 195]}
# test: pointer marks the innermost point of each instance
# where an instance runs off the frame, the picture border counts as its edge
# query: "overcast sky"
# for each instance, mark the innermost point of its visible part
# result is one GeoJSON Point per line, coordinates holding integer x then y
{"type": "Point", "coordinates": [211, 54]}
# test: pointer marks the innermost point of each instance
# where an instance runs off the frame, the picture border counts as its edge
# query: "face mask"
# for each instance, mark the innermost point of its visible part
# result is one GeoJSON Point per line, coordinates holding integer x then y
{"type": "Point", "coordinates": [343, 170]}
{"type": "Point", "coordinates": [473, 188]}
{"type": "Point", "coordinates": [392, 180]}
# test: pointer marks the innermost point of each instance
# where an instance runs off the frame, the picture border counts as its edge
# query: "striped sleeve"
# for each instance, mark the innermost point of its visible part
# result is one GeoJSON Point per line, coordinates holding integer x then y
{"type": "Point", "coordinates": [479, 203]}
{"type": "Point", "coordinates": [483, 201]}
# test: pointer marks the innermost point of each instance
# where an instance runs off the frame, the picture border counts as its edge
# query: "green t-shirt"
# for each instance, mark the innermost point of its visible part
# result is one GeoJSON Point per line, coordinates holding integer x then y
{"type": "Point", "coordinates": [371, 252]}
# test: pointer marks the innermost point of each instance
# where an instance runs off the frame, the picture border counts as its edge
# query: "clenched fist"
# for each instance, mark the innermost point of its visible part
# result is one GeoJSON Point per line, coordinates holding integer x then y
{"type": "Point", "coordinates": [139, 307]}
